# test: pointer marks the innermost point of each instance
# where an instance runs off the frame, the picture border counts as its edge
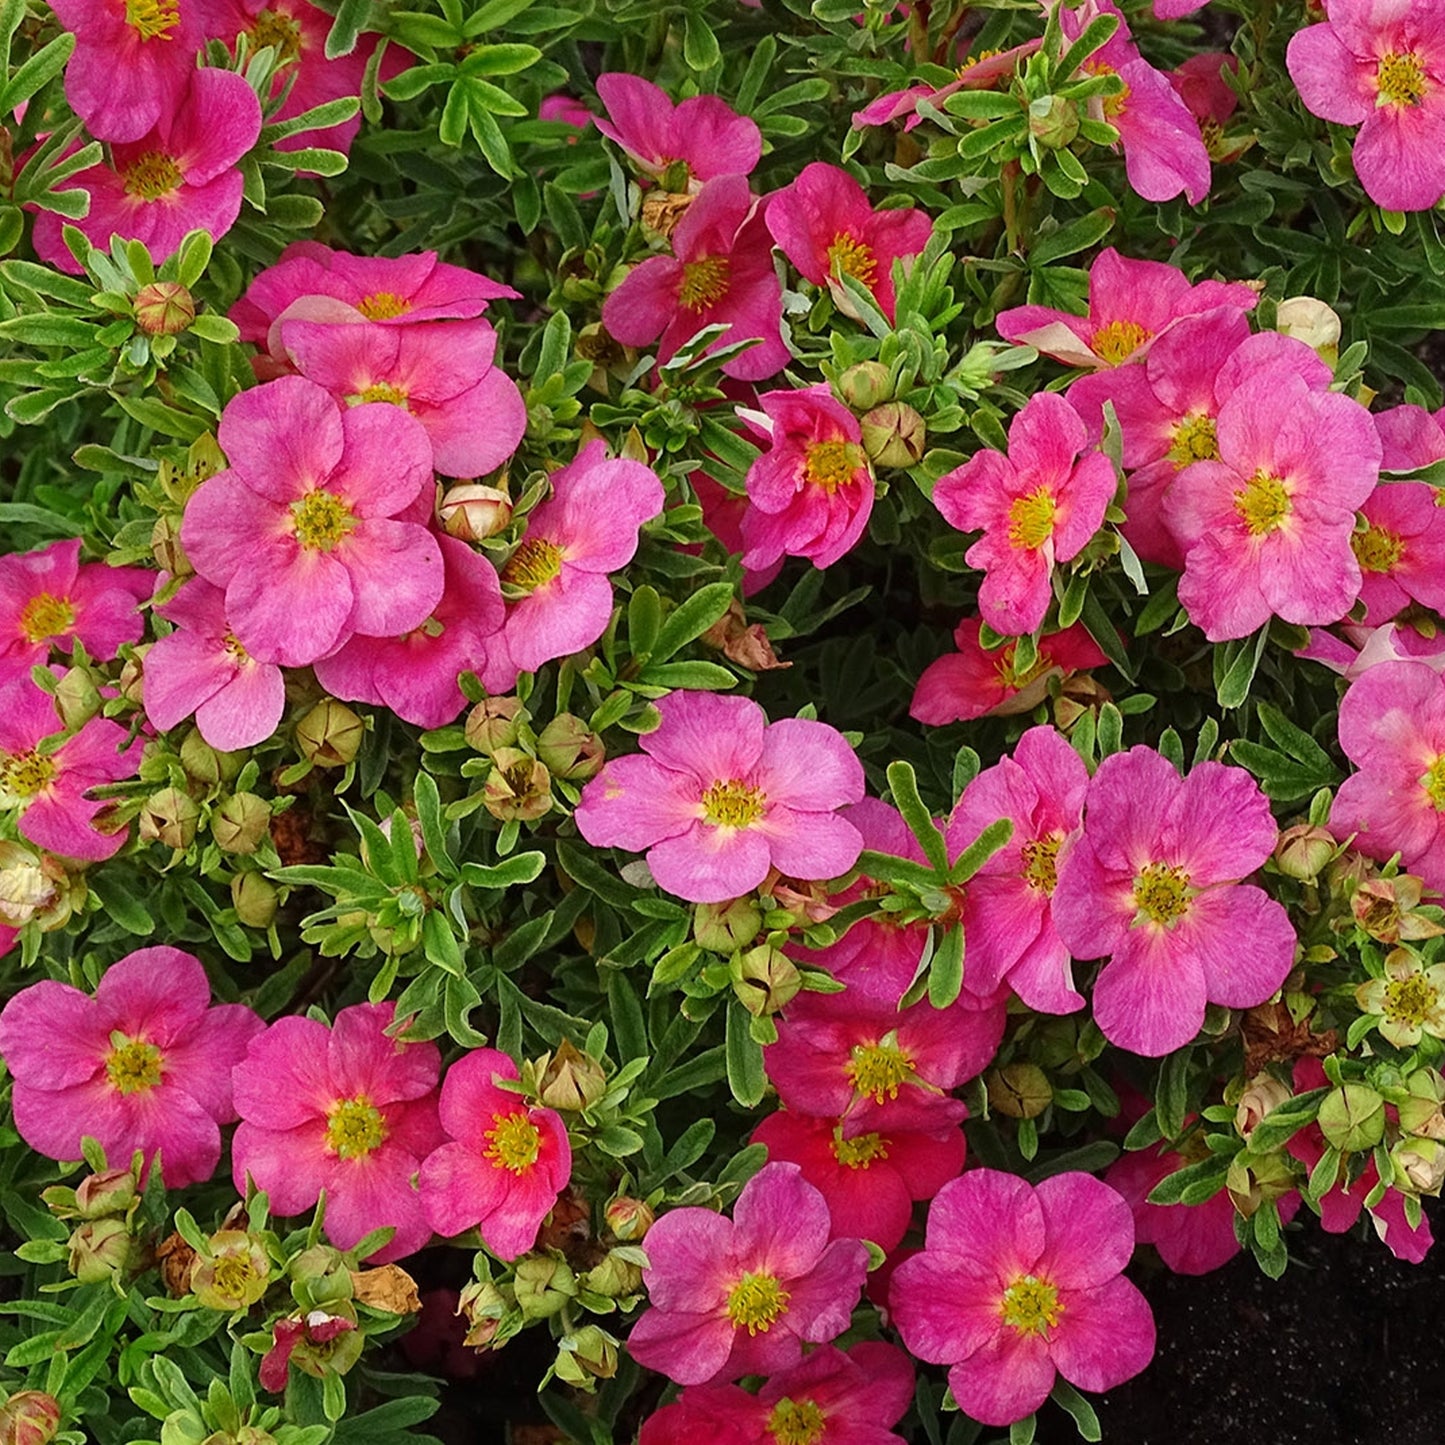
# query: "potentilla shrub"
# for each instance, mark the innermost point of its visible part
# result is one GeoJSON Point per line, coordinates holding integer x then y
{"type": "Point", "coordinates": [754, 690]}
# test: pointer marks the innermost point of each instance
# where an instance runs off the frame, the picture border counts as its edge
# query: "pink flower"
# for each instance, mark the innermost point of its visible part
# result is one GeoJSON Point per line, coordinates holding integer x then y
{"type": "Point", "coordinates": [566, 110]}
{"type": "Point", "coordinates": [870, 1180]}
{"type": "Point", "coordinates": [182, 175]}
{"type": "Point", "coordinates": [739, 1297]}
{"type": "Point", "coordinates": [49, 597]}
{"type": "Point", "coordinates": [1202, 87]}
{"type": "Point", "coordinates": [1037, 505]}
{"type": "Point", "coordinates": [145, 1064]}
{"type": "Point", "coordinates": [1381, 66]}
{"type": "Point", "coordinates": [981, 74]}
{"type": "Point", "coordinates": [722, 514]}
{"type": "Point", "coordinates": [201, 668]}
{"type": "Point", "coordinates": [441, 374]}
{"type": "Point", "coordinates": [1401, 552]}
{"type": "Point", "coordinates": [811, 492]}
{"type": "Point", "coordinates": [1412, 438]}
{"type": "Point", "coordinates": [507, 1163]}
{"type": "Point", "coordinates": [976, 682]}
{"type": "Point", "coordinates": [1266, 528]}
{"type": "Point", "coordinates": [1130, 303]}
{"type": "Point", "coordinates": [50, 790]}
{"type": "Point", "coordinates": [1152, 885]}
{"type": "Point", "coordinates": [347, 1109]}
{"type": "Point", "coordinates": [825, 226]}
{"type": "Point", "coordinates": [1191, 1238]}
{"type": "Point", "coordinates": [1018, 1284]}
{"type": "Point", "coordinates": [287, 1335]}
{"type": "Point", "coordinates": [720, 273]}
{"type": "Point", "coordinates": [415, 675]}
{"type": "Point", "coordinates": [308, 532]}
{"type": "Point", "coordinates": [719, 796]}
{"type": "Point", "coordinates": [704, 135]}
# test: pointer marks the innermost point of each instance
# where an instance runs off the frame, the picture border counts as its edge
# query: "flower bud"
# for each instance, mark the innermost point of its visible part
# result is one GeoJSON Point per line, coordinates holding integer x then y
{"type": "Point", "coordinates": [726, 927]}
{"type": "Point", "coordinates": [765, 979]}
{"type": "Point", "coordinates": [1386, 909]}
{"type": "Point", "coordinates": [1019, 1090]}
{"type": "Point", "coordinates": [254, 897]}
{"type": "Point", "coordinates": [614, 1278]}
{"type": "Point", "coordinates": [235, 1273]}
{"type": "Point", "coordinates": [176, 1261]}
{"type": "Point", "coordinates": [207, 765]}
{"type": "Point", "coordinates": [894, 435]}
{"type": "Point", "coordinates": [77, 699]}
{"type": "Point", "coordinates": [1353, 1117]}
{"type": "Point", "coordinates": [865, 385]}
{"type": "Point", "coordinates": [241, 823]}
{"type": "Point", "coordinates": [30, 884]}
{"type": "Point", "coordinates": [570, 749]}
{"type": "Point", "coordinates": [1053, 121]}
{"type": "Point", "coordinates": [1254, 1179]}
{"type": "Point", "coordinates": [130, 683]}
{"type": "Point", "coordinates": [166, 547]}
{"type": "Point", "coordinates": [571, 1080]}
{"type": "Point", "coordinates": [164, 308]}
{"type": "Point", "coordinates": [544, 1283]}
{"type": "Point", "coordinates": [111, 1192]}
{"type": "Point", "coordinates": [518, 787]}
{"type": "Point", "coordinates": [1262, 1094]}
{"type": "Point", "coordinates": [629, 1219]}
{"type": "Point", "coordinates": [321, 1276]}
{"type": "Point", "coordinates": [1309, 320]}
{"type": "Point", "coordinates": [472, 512]}
{"type": "Point", "coordinates": [1419, 1164]}
{"type": "Point", "coordinates": [330, 734]}
{"type": "Point", "coordinates": [29, 1417]}
{"type": "Point", "coordinates": [482, 1305]}
{"type": "Point", "coordinates": [1420, 1112]}
{"type": "Point", "coordinates": [102, 1250]}
{"type": "Point", "coordinates": [586, 1356]}
{"type": "Point", "coordinates": [1303, 852]}
{"type": "Point", "coordinates": [492, 724]}
{"type": "Point", "coordinates": [170, 816]}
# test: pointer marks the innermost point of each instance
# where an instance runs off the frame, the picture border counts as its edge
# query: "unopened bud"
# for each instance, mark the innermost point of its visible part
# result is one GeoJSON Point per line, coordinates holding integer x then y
{"type": "Point", "coordinates": [492, 724]}
{"type": "Point", "coordinates": [865, 385]}
{"type": "Point", "coordinates": [1254, 1179]}
{"type": "Point", "coordinates": [207, 765]}
{"type": "Point", "coordinates": [544, 1284]}
{"type": "Point", "coordinates": [112, 1191]}
{"type": "Point", "coordinates": [1019, 1090]}
{"type": "Point", "coordinates": [894, 435]}
{"type": "Point", "coordinates": [765, 979]}
{"type": "Point", "coordinates": [1309, 320]}
{"type": "Point", "coordinates": [77, 699]}
{"type": "Point", "coordinates": [254, 898]}
{"type": "Point", "coordinates": [30, 884]}
{"type": "Point", "coordinates": [614, 1278]}
{"type": "Point", "coordinates": [629, 1219]}
{"type": "Point", "coordinates": [518, 787]}
{"type": "Point", "coordinates": [170, 816]}
{"type": "Point", "coordinates": [1053, 121]}
{"type": "Point", "coordinates": [1261, 1096]}
{"type": "Point", "coordinates": [482, 1305]}
{"type": "Point", "coordinates": [472, 512]}
{"type": "Point", "coordinates": [241, 823]}
{"type": "Point", "coordinates": [1303, 852]}
{"type": "Point", "coordinates": [586, 1356]}
{"type": "Point", "coordinates": [166, 547]}
{"type": "Point", "coordinates": [235, 1273]}
{"type": "Point", "coordinates": [29, 1417]}
{"type": "Point", "coordinates": [1352, 1117]}
{"type": "Point", "coordinates": [164, 308]}
{"type": "Point", "coordinates": [330, 734]}
{"type": "Point", "coordinates": [1419, 1164]}
{"type": "Point", "coordinates": [571, 1080]}
{"type": "Point", "coordinates": [101, 1250]}
{"type": "Point", "coordinates": [130, 683]}
{"type": "Point", "coordinates": [726, 927]}
{"type": "Point", "coordinates": [1386, 908]}
{"type": "Point", "coordinates": [570, 749]}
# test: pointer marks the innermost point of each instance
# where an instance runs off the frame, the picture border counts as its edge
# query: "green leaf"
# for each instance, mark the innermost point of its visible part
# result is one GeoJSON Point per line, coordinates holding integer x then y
{"type": "Point", "coordinates": [500, 60]}
{"type": "Point", "coordinates": [43, 66]}
{"type": "Point", "coordinates": [518, 869]}
{"type": "Point", "coordinates": [1235, 664]}
{"type": "Point", "coordinates": [1068, 1399]}
{"type": "Point", "coordinates": [691, 619]}
{"type": "Point", "coordinates": [945, 974]}
{"type": "Point", "coordinates": [341, 40]}
{"type": "Point", "coordinates": [981, 850]}
{"type": "Point", "coordinates": [903, 784]}
{"type": "Point", "coordinates": [1079, 235]}
{"type": "Point", "coordinates": [746, 1078]}
{"type": "Point", "coordinates": [1171, 1097]}
{"type": "Point", "coordinates": [700, 50]}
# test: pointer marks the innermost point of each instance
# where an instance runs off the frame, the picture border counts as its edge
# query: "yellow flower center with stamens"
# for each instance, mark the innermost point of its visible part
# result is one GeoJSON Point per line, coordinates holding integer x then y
{"type": "Point", "coordinates": [1262, 504]}
{"type": "Point", "coordinates": [1401, 79]}
{"type": "Point", "coordinates": [1377, 550]}
{"type": "Point", "coordinates": [513, 1143]}
{"type": "Point", "coordinates": [1119, 340]}
{"type": "Point", "coordinates": [859, 1153]}
{"type": "Point", "coordinates": [1114, 105]}
{"type": "Point", "coordinates": [1040, 859]}
{"type": "Point", "coordinates": [152, 176]}
{"type": "Point", "coordinates": [134, 1067]}
{"type": "Point", "coordinates": [46, 616]}
{"type": "Point", "coordinates": [1434, 783]}
{"type": "Point", "coordinates": [321, 519]}
{"type": "Point", "coordinates": [853, 258]}
{"type": "Point", "coordinates": [831, 465]}
{"type": "Point", "coordinates": [535, 563]}
{"type": "Point", "coordinates": [879, 1070]}
{"type": "Point", "coordinates": [235, 648]}
{"type": "Point", "coordinates": [23, 775]}
{"type": "Point", "coordinates": [1162, 893]}
{"type": "Point", "coordinates": [383, 305]}
{"type": "Point", "coordinates": [705, 282]}
{"type": "Point", "coordinates": [796, 1422]}
{"type": "Point", "coordinates": [354, 1127]}
{"type": "Point", "coordinates": [1410, 1001]}
{"type": "Point", "coordinates": [153, 19]}
{"type": "Point", "coordinates": [1031, 1306]}
{"type": "Point", "coordinates": [1194, 441]}
{"type": "Point", "coordinates": [755, 1303]}
{"type": "Point", "coordinates": [974, 60]}
{"type": "Point", "coordinates": [280, 32]}
{"type": "Point", "coordinates": [733, 804]}
{"type": "Point", "coordinates": [383, 391]}
{"type": "Point", "coordinates": [1009, 676]}
{"type": "Point", "coordinates": [1031, 519]}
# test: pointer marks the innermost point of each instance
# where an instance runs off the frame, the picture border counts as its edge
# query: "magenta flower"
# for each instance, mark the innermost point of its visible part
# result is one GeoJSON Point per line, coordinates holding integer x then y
{"type": "Point", "coordinates": [145, 1064]}
{"type": "Point", "coordinates": [1152, 885]}
{"type": "Point", "coordinates": [1401, 551]}
{"type": "Point", "coordinates": [720, 273]}
{"type": "Point", "coordinates": [1130, 303]}
{"type": "Point", "coordinates": [50, 789]}
{"type": "Point", "coordinates": [201, 668]}
{"type": "Point", "coordinates": [505, 1165]}
{"type": "Point", "coordinates": [704, 135]}
{"type": "Point", "coordinates": [1191, 1238]}
{"type": "Point", "coordinates": [740, 1297]}
{"type": "Point", "coordinates": [719, 796]}
{"type": "Point", "coordinates": [1266, 528]}
{"type": "Point", "coordinates": [1201, 85]}
{"type": "Point", "coordinates": [307, 531]}
{"type": "Point", "coordinates": [347, 1109]}
{"type": "Point", "coordinates": [1007, 911]}
{"type": "Point", "coordinates": [1381, 67]}
{"type": "Point", "coordinates": [1037, 505]}
{"type": "Point", "coordinates": [1412, 437]}
{"type": "Point", "coordinates": [566, 110]}
{"type": "Point", "coordinates": [811, 492]}
{"type": "Point", "coordinates": [975, 682]}
{"type": "Point", "coordinates": [981, 74]}
{"type": "Point", "coordinates": [182, 175]}
{"type": "Point", "coordinates": [825, 227]}
{"type": "Point", "coordinates": [1019, 1284]}
{"type": "Point", "coordinates": [49, 597]}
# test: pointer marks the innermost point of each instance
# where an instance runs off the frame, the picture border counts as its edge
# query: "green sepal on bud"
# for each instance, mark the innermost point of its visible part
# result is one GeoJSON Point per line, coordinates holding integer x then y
{"type": "Point", "coordinates": [1053, 121]}
{"type": "Point", "coordinates": [1352, 1117]}
{"type": "Point", "coordinates": [894, 435]}
{"type": "Point", "coordinates": [170, 816]}
{"type": "Point", "coordinates": [726, 927]}
{"type": "Point", "coordinates": [765, 980]}
{"type": "Point", "coordinates": [493, 724]}
{"type": "Point", "coordinates": [543, 1285]}
{"type": "Point", "coordinates": [586, 1356]}
{"type": "Point", "coordinates": [242, 823]}
{"type": "Point", "coordinates": [254, 898]}
{"type": "Point", "coordinates": [164, 308]}
{"type": "Point", "coordinates": [1019, 1090]}
{"type": "Point", "coordinates": [330, 734]}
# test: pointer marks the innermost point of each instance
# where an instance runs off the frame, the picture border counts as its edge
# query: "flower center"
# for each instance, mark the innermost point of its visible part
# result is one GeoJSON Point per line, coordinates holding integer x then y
{"type": "Point", "coordinates": [1112, 105]}
{"type": "Point", "coordinates": [153, 19]}
{"type": "Point", "coordinates": [383, 305]}
{"type": "Point", "coordinates": [1433, 782]}
{"type": "Point", "coordinates": [1031, 519]}
{"type": "Point", "coordinates": [1119, 340]}
{"type": "Point", "coordinates": [1162, 893]}
{"type": "Point", "coordinates": [1031, 1306]}
{"type": "Point", "coordinates": [1040, 863]}
{"type": "Point", "coordinates": [879, 1070]}
{"type": "Point", "coordinates": [23, 775]}
{"type": "Point", "coordinates": [853, 258]}
{"type": "Point", "coordinates": [231, 1274]}
{"type": "Point", "coordinates": [1401, 79]}
{"type": "Point", "coordinates": [705, 282]}
{"type": "Point", "coordinates": [320, 520]}
{"type": "Point", "coordinates": [278, 31]}
{"type": "Point", "coordinates": [733, 804]}
{"type": "Point", "coordinates": [235, 648]}
{"type": "Point", "coordinates": [1262, 504]}
{"type": "Point", "coordinates": [383, 391]}
{"type": "Point", "coordinates": [46, 616]}
{"type": "Point", "coordinates": [973, 60]}
{"type": "Point", "coordinates": [152, 176]}
{"type": "Point", "coordinates": [513, 1143]}
{"type": "Point", "coordinates": [1410, 1001]}
{"type": "Point", "coordinates": [134, 1067]}
{"type": "Point", "coordinates": [859, 1153]}
{"type": "Point", "coordinates": [831, 465]}
{"type": "Point", "coordinates": [1194, 441]}
{"type": "Point", "coordinates": [1377, 550]}
{"type": "Point", "coordinates": [1010, 677]}
{"type": "Point", "coordinates": [535, 563]}
{"type": "Point", "coordinates": [796, 1422]}
{"type": "Point", "coordinates": [756, 1302]}
{"type": "Point", "coordinates": [354, 1127]}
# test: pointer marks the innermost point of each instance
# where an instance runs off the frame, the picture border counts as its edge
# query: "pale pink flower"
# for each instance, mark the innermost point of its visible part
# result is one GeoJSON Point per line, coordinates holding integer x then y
{"type": "Point", "coordinates": [704, 135]}
{"type": "Point", "coordinates": [1401, 550]}
{"type": "Point", "coordinates": [1412, 437]}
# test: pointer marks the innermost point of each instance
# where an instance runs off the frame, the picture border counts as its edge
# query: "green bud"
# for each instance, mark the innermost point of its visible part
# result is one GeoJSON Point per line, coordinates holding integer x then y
{"type": "Point", "coordinates": [1419, 1164]}
{"type": "Point", "coordinates": [570, 749]}
{"type": "Point", "coordinates": [473, 512]}
{"type": "Point", "coordinates": [330, 734]}
{"type": "Point", "coordinates": [765, 979]}
{"type": "Point", "coordinates": [492, 724]}
{"type": "Point", "coordinates": [102, 1250]}
{"type": "Point", "coordinates": [1019, 1090]}
{"type": "Point", "coordinates": [726, 927]}
{"type": "Point", "coordinates": [166, 547]}
{"type": "Point", "coordinates": [482, 1305]}
{"type": "Point", "coordinates": [110, 1193]}
{"type": "Point", "coordinates": [254, 898]}
{"type": "Point", "coordinates": [77, 699]}
{"type": "Point", "coordinates": [586, 1356]}
{"type": "Point", "coordinates": [1352, 1117]}
{"type": "Point", "coordinates": [1053, 121]}
{"type": "Point", "coordinates": [518, 787]}
{"type": "Point", "coordinates": [29, 1417]}
{"type": "Point", "coordinates": [894, 435]}
{"type": "Point", "coordinates": [629, 1219]}
{"type": "Point", "coordinates": [544, 1283]}
{"type": "Point", "coordinates": [170, 816]}
{"type": "Point", "coordinates": [571, 1080]}
{"type": "Point", "coordinates": [205, 764]}
{"type": "Point", "coordinates": [865, 385]}
{"type": "Point", "coordinates": [1304, 852]}
{"type": "Point", "coordinates": [615, 1278]}
{"type": "Point", "coordinates": [241, 823]}
{"type": "Point", "coordinates": [164, 308]}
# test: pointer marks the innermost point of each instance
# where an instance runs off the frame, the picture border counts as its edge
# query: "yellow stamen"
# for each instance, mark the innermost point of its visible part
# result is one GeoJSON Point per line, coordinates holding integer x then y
{"type": "Point", "coordinates": [383, 305]}
{"type": "Point", "coordinates": [1194, 441]}
{"type": "Point", "coordinates": [1434, 783]}
{"type": "Point", "coordinates": [755, 1303]}
{"type": "Point", "coordinates": [1377, 550]}
{"type": "Point", "coordinates": [513, 1143]}
{"type": "Point", "coordinates": [796, 1422]}
{"type": "Point", "coordinates": [879, 1070]}
{"type": "Point", "coordinates": [1401, 79]}
{"type": "Point", "coordinates": [1262, 504]}
{"type": "Point", "coordinates": [1162, 893]}
{"type": "Point", "coordinates": [733, 804]}
{"type": "Point", "coordinates": [831, 465]}
{"type": "Point", "coordinates": [23, 775]}
{"type": "Point", "coordinates": [853, 258]}
{"type": "Point", "coordinates": [354, 1127]}
{"type": "Point", "coordinates": [153, 19]}
{"type": "Point", "coordinates": [46, 616]}
{"type": "Point", "coordinates": [135, 1067]}
{"type": "Point", "coordinates": [535, 563]}
{"type": "Point", "coordinates": [705, 282]}
{"type": "Point", "coordinates": [860, 1152]}
{"type": "Point", "coordinates": [1031, 519]}
{"type": "Point", "coordinates": [152, 176]}
{"type": "Point", "coordinates": [1031, 1306]}
{"type": "Point", "coordinates": [1119, 340]}
{"type": "Point", "coordinates": [1410, 1001]}
{"type": "Point", "coordinates": [321, 519]}
{"type": "Point", "coordinates": [1040, 863]}
{"type": "Point", "coordinates": [280, 32]}
{"type": "Point", "coordinates": [383, 391]}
